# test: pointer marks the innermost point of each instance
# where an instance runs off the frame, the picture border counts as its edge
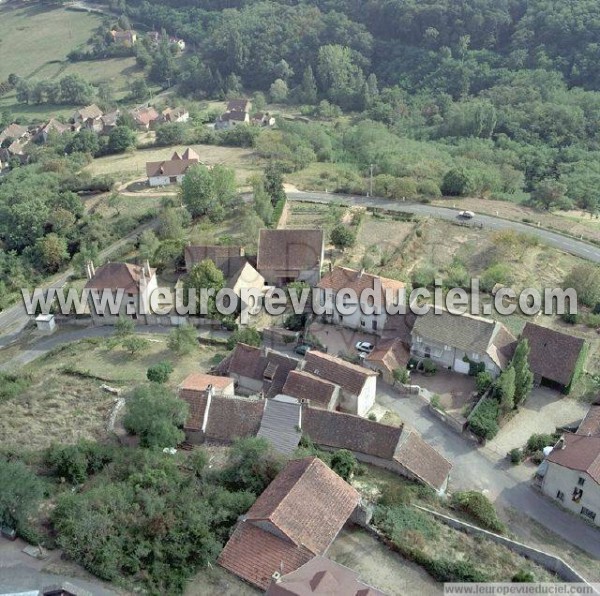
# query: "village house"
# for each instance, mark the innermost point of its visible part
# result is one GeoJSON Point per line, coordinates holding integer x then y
{"type": "Point", "coordinates": [310, 389]}
{"type": "Point", "coordinates": [357, 384]}
{"type": "Point", "coordinates": [134, 281]}
{"type": "Point", "coordinates": [389, 355]}
{"type": "Point", "coordinates": [570, 474]}
{"type": "Point", "coordinates": [263, 119]}
{"type": "Point", "coordinates": [320, 576]}
{"type": "Point", "coordinates": [343, 278]}
{"type": "Point", "coordinates": [290, 255]}
{"type": "Point", "coordinates": [257, 371]}
{"type": "Point", "coordinates": [555, 359]}
{"type": "Point", "coordinates": [172, 171]}
{"type": "Point", "coordinates": [174, 115]}
{"type": "Point", "coordinates": [455, 342]}
{"type": "Point", "coordinates": [394, 448]}
{"type": "Point", "coordinates": [89, 117]}
{"type": "Point", "coordinates": [110, 120]}
{"type": "Point", "coordinates": [155, 38]}
{"type": "Point", "coordinates": [296, 518]}
{"type": "Point", "coordinates": [145, 117]}
{"type": "Point", "coordinates": [14, 132]}
{"type": "Point", "coordinates": [237, 112]}
{"type": "Point", "coordinates": [52, 126]}
{"type": "Point", "coordinates": [125, 38]}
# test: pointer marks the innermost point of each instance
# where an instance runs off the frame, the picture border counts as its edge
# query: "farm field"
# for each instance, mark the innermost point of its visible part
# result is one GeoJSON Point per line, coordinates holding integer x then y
{"type": "Point", "coordinates": [39, 39]}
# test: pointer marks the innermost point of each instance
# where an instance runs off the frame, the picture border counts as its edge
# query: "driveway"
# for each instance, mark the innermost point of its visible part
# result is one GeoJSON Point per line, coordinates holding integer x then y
{"type": "Point", "coordinates": [485, 470]}
{"type": "Point", "coordinates": [543, 412]}
{"type": "Point", "coordinates": [455, 390]}
{"type": "Point", "coordinates": [340, 339]}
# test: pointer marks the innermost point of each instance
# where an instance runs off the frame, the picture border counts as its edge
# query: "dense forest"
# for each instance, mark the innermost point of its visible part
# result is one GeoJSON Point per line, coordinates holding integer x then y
{"type": "Point", "coordinates": [504, 92]}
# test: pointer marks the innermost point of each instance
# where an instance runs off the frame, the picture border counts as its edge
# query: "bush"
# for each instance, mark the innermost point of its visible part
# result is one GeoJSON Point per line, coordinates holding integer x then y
{"type": "Point", "coordinates": [401, 375]}
{"type": "Point", "coordinates": [343, 463]}
{"type": "Point", "coordinates": [395, 494]}
{"type": "Point", "coordinates": [429, 366]}
{"type": "Point", "coordinates": [484, 420]}
{"type": "Point", "coordinates": [423, 276]}
{"type": "Point", "coordinates": [76, 462]}
{"type": "Point", "coordinates": [496, 274]}
{"type": "Point", "coordinates": [20, 494]}
{"type": "Point", "coordinates": [516, 456]}
{"type": "Point", "coordinates": [483, 382]}
{"type": "Point", "coordinates": [523, 576]}
{"type": "Point", "coordinates": [159, 373]}
{"type": "Point", "coordinates": [182, 340]}
{"type": "Point", "coordinates": [571, 318]}
{"type": "Point", "coordinates": [372, 417]}
{"type": "Point", "coordinates": [480, 508]}
{"type": "Point", "coordinates": [12, 385]}
{"type": "Point", "coordinates": [248, 335]}
{"type": "Point", "coordinates": [537, 442]}
{"type": "Point", "coordinates": [395, 521]}
{"type": "Point", "coordinates": [444, 570]}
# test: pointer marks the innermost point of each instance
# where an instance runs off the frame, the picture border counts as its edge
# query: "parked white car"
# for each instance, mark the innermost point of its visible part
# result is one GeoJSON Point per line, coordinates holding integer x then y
{"type": "Point", "coordinates": [466, 214]}
{"type": "Point", "coordinates": [364, 346]}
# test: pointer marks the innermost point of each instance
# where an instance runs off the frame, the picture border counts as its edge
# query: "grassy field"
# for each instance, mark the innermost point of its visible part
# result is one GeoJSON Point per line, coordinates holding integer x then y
{"type": "Point", "coordinates": [63, 406]}
{"type": "Point", "coordinates": [131, 166]}
{"type": "Point", "coordinates": [34, 43]}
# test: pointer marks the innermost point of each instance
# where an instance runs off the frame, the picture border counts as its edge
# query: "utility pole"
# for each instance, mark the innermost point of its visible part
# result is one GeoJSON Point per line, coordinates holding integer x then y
{"type": "Point", "coordinates": [370, 193]}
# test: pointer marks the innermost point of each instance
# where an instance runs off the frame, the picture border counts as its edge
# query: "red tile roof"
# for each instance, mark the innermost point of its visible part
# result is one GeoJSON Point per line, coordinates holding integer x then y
{"type": "Point", "coordinates": [197, 402]}
{"type": "Point", "coordinates": [346, 431]}
{"type": "Point", "coordinates": [303, 385]}
{"type": "Point", "coordinates": [390, 354]}
{"type": "Point", "coordinates": [173, 167]}
{"type": "Point", "coordinates": [285, 250]}
{"type": "Point", "coordinates": [308, 502]}
{"type": "Point", "coordinates": [344, 278]}
{"type": "Point", "coordinates": [321, 576]}
{"type": "Point", "coordinates": [553, 354]}
{"type": "Point", "coordinates": [422, 460]}
{"type": "Point", "coordinates": [201, 381]}
{"type": "Point", "coordinates": [348, 376]}
{"type": "Point", "coordinates": [233, 418]}
{"type": "Point", "coordinates": [580, 453]}
{"type": "Point", "coordinates": [145, 116]}
{"type": "Point", "coordinates": [254, 555]}
{"type": "Point", "coordinates": [590, 425]}
{"type": "Point", "coordinates": [115, 276]}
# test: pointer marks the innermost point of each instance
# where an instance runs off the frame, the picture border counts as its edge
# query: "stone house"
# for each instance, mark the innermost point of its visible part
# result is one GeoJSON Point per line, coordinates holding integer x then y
{"type": "Point", "coordinates": [145, 117]}
{"type": "Point", "coordinates": [455, 341]}
{"type": "Point", "coordinates": [89, 117]}
{"type": "Point", "coordinates": [296, 518]}
{"type": "Point", "coordinates": [556, 359]}
{"type": "Point", "coordinates": [389, 355]}
{"type": "Point", "coordinates": [125, 38]}
{"type": "Point", "coordinates": [290, 255]}
{"type": "Point", "coordinates": [343, 278]}
{"type": "Point", "coordinates": [134, 282]}
{"type": "Point", "coordinates": [172, 171]}
{"type": "Point", "coordinates": [358, 385]}
{"type": "Point", "coordinates": [179, 114]}
{"type": "Point", "coordinates": [570, 474]}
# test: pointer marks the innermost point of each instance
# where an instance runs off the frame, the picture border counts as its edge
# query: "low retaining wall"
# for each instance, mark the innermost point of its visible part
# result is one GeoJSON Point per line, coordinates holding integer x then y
{"type": "Point", "coordinates": [550, 562]}
{"type": "Point", "coordinates": [456, 424]}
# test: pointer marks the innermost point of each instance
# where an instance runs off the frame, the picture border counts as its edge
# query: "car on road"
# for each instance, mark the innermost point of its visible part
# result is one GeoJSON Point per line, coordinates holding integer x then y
{"type": "Point", "coordinates": [364, 346]}
{"type": "Point", "coordinates": [466, 214]}
{"type": "Point", "coordinates": [302, 349]}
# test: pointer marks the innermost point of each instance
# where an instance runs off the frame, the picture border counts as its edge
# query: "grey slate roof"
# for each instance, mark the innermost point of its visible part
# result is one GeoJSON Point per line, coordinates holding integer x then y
{"type": "Point", "coordinates": [280, 423]}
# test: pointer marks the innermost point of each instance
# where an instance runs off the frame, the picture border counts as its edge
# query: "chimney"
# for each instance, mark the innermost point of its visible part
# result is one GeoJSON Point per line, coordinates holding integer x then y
{"type": "Point", "coordinates": [242, 251]}
{"type": "Point", "coordinates": [90, 269]}
{"type": "Point", "coordinates": [560, 443]}
{"type": "Point", "coordinates": [210, 390]}
{"type": "Point", "coordinates": [330, 267]}
{"type": "Point", "coordinates": [147, 271]}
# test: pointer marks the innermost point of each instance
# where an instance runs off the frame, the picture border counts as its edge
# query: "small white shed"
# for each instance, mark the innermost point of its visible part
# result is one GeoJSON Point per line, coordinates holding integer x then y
{"type": "Point", "coordinates": [45, 323]}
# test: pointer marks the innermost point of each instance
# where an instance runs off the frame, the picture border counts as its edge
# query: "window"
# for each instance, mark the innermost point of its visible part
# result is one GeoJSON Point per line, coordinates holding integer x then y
{"type": "Point", "coordinates": [362, 323]}
{"type": "Point", "coordinates": [475, 357]}
{"type": "Point", "coordinates": [588, 513]}
{"type": "Point", "coordinates": [581, 481]}
{"type": "Point", "coordinates": [447, 348]}
{"type": "Point", "coordinates": [560, 495]}
{"type": "Point", "coordinates": [374, 325]}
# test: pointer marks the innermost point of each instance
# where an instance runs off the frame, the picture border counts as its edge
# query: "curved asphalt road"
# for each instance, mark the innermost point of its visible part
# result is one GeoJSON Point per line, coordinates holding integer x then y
{"type": "Point", "coordinates": [578, 248]}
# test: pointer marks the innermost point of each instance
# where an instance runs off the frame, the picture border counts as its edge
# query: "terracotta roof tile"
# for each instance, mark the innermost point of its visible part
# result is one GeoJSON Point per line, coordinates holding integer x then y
{"type": "Point", "coordinates": [348, 376]}
{"type": "Point", "coordinates": [390, 353]}
{"type": "Point", "coordinates": [115, 276]}
{"type": "Point", "coordinates": [553, 354]}
{"type": "Point", "coordinates": [197, 402]}
{"type": "Point", "coordinates": [92, 112]}
{"type": "Point", "coordinates": [580, 453]}
{"type": "Point", "coordinates": [254, 555]}
{"type": "Point", "coordinates": [422, 460]}
{"type": "Point", "coordinates": [344, 278]}
{"type": "Point", "coordinates": [346, 431]}
{"type": "Point", "coordinates": [233, 418]}
{"type": "Point", "coordinates": [303, 385]}
{"type": "Point", "coordinates": [590, 425]}
{"type": "Point", "coordinates": [201, 381]}
{"type": "Point", "coordinates": [321, 576]}
{"type": "Point", "coordinates": [173, 167]}
{"type": "Point", "coordinates": [238, 105]}
{"type": "Point", "coordinates": [308, 502]}
{"type": "Point", "coordinates": [290, 249]}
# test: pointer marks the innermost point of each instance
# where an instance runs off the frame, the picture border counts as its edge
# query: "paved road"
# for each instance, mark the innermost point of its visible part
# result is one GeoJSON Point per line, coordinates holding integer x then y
{"type": "Point", "coordinates": [14, 319]}
{"type": "Point", "coordinates": [575, 247]}
{"type": "Point", "coordinates": [474, 469]}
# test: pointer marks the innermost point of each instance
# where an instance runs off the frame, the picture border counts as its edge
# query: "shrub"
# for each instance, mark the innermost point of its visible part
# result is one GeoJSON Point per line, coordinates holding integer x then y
{"type": "Point", "coordinates": [523, 576]}
{"type": "Point", "coordinates": [248, 335]}
{"type": "Point", "coordinates": [182, 340]}
{"type": "Point", "coordinates": [483, 382]}
{"type": "Point", "coordinates": [395, 521]}
{"type": "Point", "coordinates": [76, 462]}
{"type": "Point", "coordinates": [571, 318]}
{"type": "Point", "coordinates": [480, 508]}
{"type": "Point", "coordinates": [12, 385]}
{"type": "Point", "coordinates": [343, 463]}
{"type": "Point", "coordinates": [423, 276]}
{"type": "Point", "coordinates": [537, 442]}
{"type": "Point", "coordinates": [401, 375]}
{"type": "Point", "coordinates": [21, 491]}
{"type": "Point", "coordinates": [516, 456]}
{"type": "Point", "coordinates": [159, 373]}
{"type": "Point", "coordinates": [435, 402]}
{"type": "Point", "coordinates": [444, 570]}
{"type": "Point", "coordinates": [500, 273]}
{"type": "Point", "coordinates": [429, 366]}
{"type": "Point", "coordinates": [372, 417]}
{"type": "Point", "coordinates": [395, 494]}
{"type": "Point", "coordinates": [484, 419]}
